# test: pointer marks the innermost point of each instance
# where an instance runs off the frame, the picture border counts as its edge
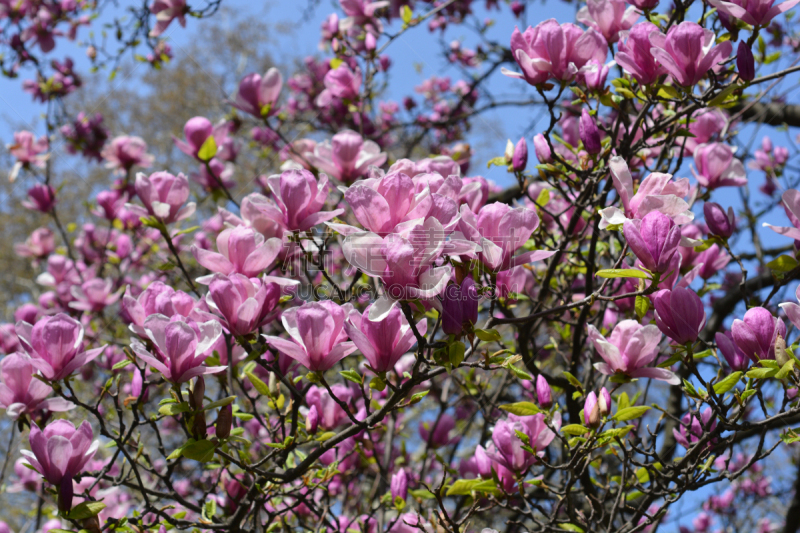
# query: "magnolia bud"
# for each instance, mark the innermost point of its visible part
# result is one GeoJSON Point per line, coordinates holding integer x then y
{"type": "Point", "coordinates": [745, 62]}
{"type": "Point", "coordinates": [542, 149]}
{"type": "Point", "coordinates": [399, 485]}
{"type": "Point", "coordinates": [312, 420]}
{"type": "Point", "coordinates": [544, 394]}
{"type": "Point", "coordinates": [781, 357]}
{"type": "Point", "coordinates": [199, 390]}
{"type": "Point", "coordinates": [509, 153]}
{"type": "Point", "coordinates": [604, 401]}
{"type": "Point", "coordinates": [520, 159]}
{"type": "Point", "coordinates": [65, 493]}
{"type": "Point", "coordinates": [224, 422]}
{"type": "Point", "coordinates": [719, 223]}
{"type": "Point", "coordinates": [589, 133]}
{"type": "Point", "coordinates": [369, 42]}
{"type": "Point", "coordinates": [199, 425]}
{"type": "Point", "coordinates": [591, 411]}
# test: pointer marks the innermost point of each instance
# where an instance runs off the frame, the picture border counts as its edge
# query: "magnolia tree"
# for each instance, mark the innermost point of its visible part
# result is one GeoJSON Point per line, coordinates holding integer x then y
{"type": "Point", "coordinates": [369, 338]}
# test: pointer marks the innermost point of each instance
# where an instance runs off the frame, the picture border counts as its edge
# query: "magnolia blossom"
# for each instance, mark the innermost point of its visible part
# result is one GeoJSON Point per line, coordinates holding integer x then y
{"type": "Point", "coordinates": [716, 166]}
{"type": "Point", "coordinates": [28, 151]}
{"type": "Point", "coordinates": [319, 339]}
{"type": "Point", "coordinates": [241, 250]}
{"type": "Point", "coordinates": [94, 295]}
{"type": "Point", "coordinates": [196, 131]}
{"type": "Point", "coordinates": [654, 240]}
{"type": "Point", "coordinates": [166, 11]}
{"type": "Point", "coordinates": [629, 350]}
{"type": "Point", "coordinates": [506, 448]}
{"type": "Point", "coordinates": [41, 243]}
{"type": "Point", "coordinates": [679, 314]}
{"type": "Point", "coordinates": [21, 393]}
{"type": "Point", "coordinates": [125, 152]}
{"type": "Point", "coordinates": [341, 83]}
{"type": "Point", "coordinates": [243, 304]}
{"type": "Point", "coordinates": [688, 52]}
{"type": "Point", "coordinates": [163, 196]}
{"type": "Point", "coordinates": [658, 192]}
{"type": "Point", "coordinates": [757, 13]}
{"type": "Point", "coordinates": [382, 342]}
{"type": "Point", "coordinates": [179, 349]}
{"type": "Point", "coordinates": [440, 432]}
{"type": "Point", "coordinates": [791, 205]}
{"type": "Point", "coordinates": [635, 56]}
{"type": "Point", "coordinates": [756, 333]}
{"type": "Point", "coordinates": [55, 345]}
{"type": "Point", "coordinates": [257, 94]}
{"type": "Point", "coordinates": [347, 156]}
{"type": "Point", "coordinates": [298, 200]}
{"type": "Point", "coordinates": [553, 50]}
{"type": "Point", "coordinates": [609, 17]}
{"type": "Point", "coordinates": [157, 298]}
{"type": "Point", "coordinates": [692, 428]}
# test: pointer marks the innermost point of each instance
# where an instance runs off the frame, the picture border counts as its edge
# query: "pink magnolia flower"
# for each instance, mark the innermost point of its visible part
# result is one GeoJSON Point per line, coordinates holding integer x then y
{"type": "Point", "coordinates": [716, 166]}
{"type": "Point", "coordinates": [399, 485]}
{"type": "Point", "coordinates": [299, 198]}
{"type": "Point", "coordinates": [687, 52]}
{"type": "Point", "coordinates": [157, 298]}
{"type": "Point", "coordinates": [59, 453]}
{"type": "Point", "coordinates": [9, 343]}
{"type": "Point", "coordinates": [635, 55]}
{"type": "Point", "coordinates": [28, 480]}
{"type": "Point", "coordinates": [500, 231]}
{"type": "Point", "coordinates": [222, 175]}
{"type": "Point", "coordinates": [692, 428]}
{"type": "Point", "coordinates": [757, 13]}
{"type": "Point", "coordinates": [163, 196]}
{"type": "Point", "coordinates": [719, 221]}
{"type": "Point", "coordinates": [382, 342]}
{"type": "Point", "coordinates": [94, 295]}
{"type": "Point", "coordinates": [658, 192]}
{"type": "Point", "coordinates": [460, 306]}
{"type": "Point", "coordinates": [196, 131]}
{"type": "Point", "coordinates": [242, 250]}
{"type": "Point", "coordinates": [679, 314]}
{"type": "Point", "coordinates": [653, 239]}
{"type": "Point", "coordinates": [243, 304]}
{"type": "Point", "coordinates": [629, 350]}
{"type": "Point", "coordinates": [506, 448]}
{"type": "Point", "coordinates": [125, 152]}
{"type": "Point", "coordinates": [27, 149]}
{"type": "Point", "coordinates": [711, 261]}
{"type": "Point", "coordinates": [791, 205]}
{"type": "Point", "coordinates": [440, 432]}
{"type": "Point", "coordinates": [347, 156]}
{"type": "Point", "coordinates": [179, 349]}
{"type": "Point", "coordinates": [20, 393]}
{"type": "Point", "coordinates": [317, 333]}
{"type": "Point", "coordinates": [41, 198]}
{"type": "Point", "coordinates": [755, 334]}
{"type": "Point", "coordinates": [329, 413]}
{"type": "Point", "coordinates": [55, 345]}
{"type": "Point", "coordinates": [257, 94]}
{"type": "Point", "coordinates": [554, 51]}
{"type": "Point", "coordinates": [609, 17]}
{"type": "Point", "coordinates": [475, 191]}
{"type": "Point", "coordinates": [40, 244]}
{"type": "Point", "coordinates": [166, 11]}
{"type": "Point", "coordinates": [735, 357]}
{"type": "Point", "coordinates": [341, 83]}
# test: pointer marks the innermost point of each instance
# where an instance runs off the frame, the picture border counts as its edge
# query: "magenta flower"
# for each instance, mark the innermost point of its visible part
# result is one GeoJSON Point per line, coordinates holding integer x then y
{"type": "Point", "coordinates": [654, 240]}
{"type": "Point", "coordinates": [609, 17]}
{"type": "Point", "coordinates": [791, 205]}
{"type": "Point", "coordinates": [94, 295]}
{"type": "Point", "coordinates": [754, 12]}
{"type": "Point", "coordinates": [157, 298]}
{"type": "Point", "coordinates": [519, 159]}
{"type": "Point", "coordinates": [317, 333]}
{"type": "Point", "coordinates": [459, 306]}
{"type": "Point", "coordinates": [243, 304]}
{"type": "Point", "coordinates": [542, 149]}
{"type": "Point", "coordinates": [658, 192]}
{"type": "Point", "coordinates": [554, 51]}
{"type": "Point", "coordinates": [55, 345]}
{"type": "Point", "coordinates": [163, 196]}
{"type": "Point", "coordinates": [719, 222]}
{"type": "Point", "coordinates": [635, 55]}
{"type": "Point", "coordinates": [329, 413]}
{"type": "Point", "coordinates": [506, 448]}
{"type": "Point", "coordinates": [735, 357]}
{"type": "Point", "coordinates": [382, 342]}
{"type": "Point", "coordinates": [125, 152]}
{"type": "Point", "coordinates": [711, 261]}
{"type": "Point", "coordinates": [500, 231]}
{"type": "Point", "coordinates": [591, 411]}
{"type": "Point", "coordinates": [629, 350]}
{"type": "Point", "coordinates": [692, 428]}
{"type": "Point", "coordinates": [755, 334]}
{"type": "Point", "coordinates": [341, 83]}
{"type": "Point", "coordinates": [679, 314]}
{"type": "Point", "coordinates": [347, 156]}
{"type": "Point", "coordinates": [745, 62]}
{"type": "Point", "coordinates": [593, 75]}
{"type": "Point", "coordinates": [179, 349]}
{"type": "Point", "coordinates": [441, 432]}
{"type": "Point", "coordinates": [257, 94]}
{"type": "Point", "coordinates": [27, 150]}
{"type": "Point", "coordinates": [166, 11]}
{"type": "Point", "coordinates": [20, 393]}
{"type": "Point", "coordinates": [299, 199]}
{"type": "Point", "coordinates": [544, 395]}
{"type": "Point", "coordinates": [792, 310]}
{"type": "Point", "coordinates": [40, 244]}
{"type": "Point", "coordinates": [399, 485]}
{"type": "Point", "coordinates": [590, 134]}
{"type": "Point", "coordinates": [42, 198]}
{"type": "Point", "coordinates": [9, 343]}
{"type": "Point", "coordinates": [687, 52]}
{"type": "Point", "coordinates": [241, 250]}
{"type": "Point", "coordinates": [59, 453]}
{"type": "Point", "coordinates": [197, 130]}
{"type": "Point", "coordinates": [716, 166]}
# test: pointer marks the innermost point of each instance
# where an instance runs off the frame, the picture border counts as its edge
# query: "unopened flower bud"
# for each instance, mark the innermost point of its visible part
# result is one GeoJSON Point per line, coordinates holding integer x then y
{"type": "Point", "coordinates": [719, 222]}
{"type": "Point", "coordinates": [591, 411]}
{"type": "Point", "coordinates": [781, 357]}
{"type": "Point", "coordinates": [312, 420]}
{"type": "Point", "coordinates": [590, 134]}
{"type": "Point", "coordinates": [65, 493]}
{"type": "Point", "coordinates": [542, 149]}
{"type": "Point", "coordinates": [604, 401]}
{"type": "Point", "coordinates": [224, 422]}
{"type": "Point", "coordinates": [544, 394]}
{"type": "Point", "coordinates": [520, 158]}
{"type": "Point", "coordinates": [745, 63]}
{"type": "Point", "coordinates": [199, 390]}
{"type": "Point", "coordinates": [399, 485]}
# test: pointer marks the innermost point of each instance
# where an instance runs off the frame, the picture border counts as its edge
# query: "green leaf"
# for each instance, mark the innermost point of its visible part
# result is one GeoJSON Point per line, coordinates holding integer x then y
{"type": "Point", "coordinates": [761, 373]}
{"type": "Point", "coordinates": [336, 62]}
{"type": "Point", "coordinates": [352, 375]}
{"type": "Point", "coordinates": [488, 335]}
{"type": "Point", "coordinates": [464, 487]}
{"type": "Point", "coordinates": [722, 96]}
{"type": "Point", "coordinates": [497, 162]}
{"type": "Point", "coordinates": [617, 432]}
{"type": "Point", "coordinates": [723, 386]}
{"type": "Point", "coordinates": [172, 409]}
{"type": "Point", "coordinates": [785, 369]}
{"type": "Point", "coordinates": [201, 450]}
{"type": "Point", "coordinates": [623, 401]}
{"type": "Point", "coordinates": [220, 403]}
{"type": "Point", "coordinates": [406, 14]}
{"type": "Point", "coordinates": [571, 527]}
{"type": "Point", "coordinates": [630, 413]}
{"type": "Point", "coordinates": [208, 150]}
{"type": "Point", "coordinates": [417, 397]}
{"type": "Point", "coordinates": [187, 231]}
{"type": "Point", "coordinates": [521, 408]}
{"type": "Point", "coordinates": [521, 374]}
{"type": "Point", "coordinates": [86, 510]}
{"type": "Point", "coordinates": [573, 381]}
{"type": "Point", "coordinates": [456, 353]}
{"type": "Point", "coordinates": [575, 429]}
{"type": "Point", "coordinates": [622, 273]}
{"type": "Point", "coordinates": [783, 264]}
{"type": "Point", "coordinates": [544, 197]}
{"type": "Point", "coordinates": [121, 364]}
{"type": "Point", "coordinates": [259, 385]}
{"type": "Point", "coordinates": [642, 306]}
{"type": "Point", "coordinates": [211, 508]}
